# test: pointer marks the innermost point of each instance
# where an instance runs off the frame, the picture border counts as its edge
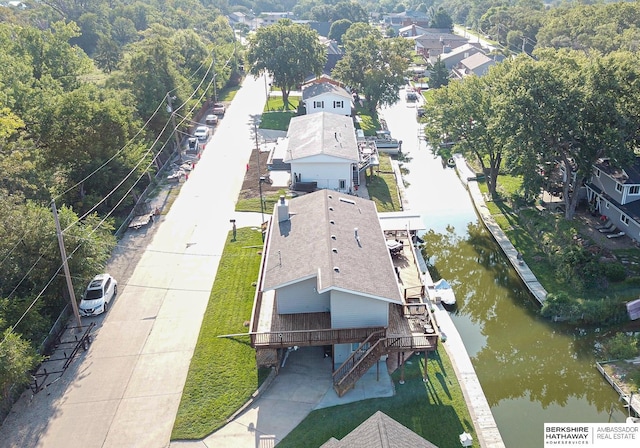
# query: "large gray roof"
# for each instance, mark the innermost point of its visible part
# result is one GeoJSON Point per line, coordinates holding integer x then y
{"type": "Point", "coordinates": [321, 133]}
{"type": "Point", "coordinates": [319, 241]}
{"type": "Point", "coordinates": [380, 430]}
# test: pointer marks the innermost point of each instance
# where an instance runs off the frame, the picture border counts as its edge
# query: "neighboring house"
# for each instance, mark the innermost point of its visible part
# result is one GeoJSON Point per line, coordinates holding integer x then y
{"type": "Point", "coordinates": [327, 279]}
{"type": "Point", "coordinates": [436, 43]}
{"type": "Point", "coordinates": [412, 31]}
{"type": "Point", "coordinates": [477, 64]}
{"type": "Point", "coordinates": [380, 431]}
{"type": "Point", "coordinates": [236, 18]}
{"type": "Point", "coordinates": [406, 18]}
{"type": "Point", "coordinates": [453, 57]}
{"type": "Point", "coordinates": [270, 18]}
{"type": "Point", "coordinates": [615, 193]}
{"type": "Point", "coordinates": [326, 97]}
{"type": "Point", "coordinates": [322, 151]}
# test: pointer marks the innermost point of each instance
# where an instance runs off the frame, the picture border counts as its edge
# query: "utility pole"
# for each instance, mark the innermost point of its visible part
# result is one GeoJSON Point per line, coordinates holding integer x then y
{"type": "Point", "coordinates": [173, 123]}
{"type": "Point", "coordinates": [215, 80]}
{"type": "Point", "coordinates": [65, 265]}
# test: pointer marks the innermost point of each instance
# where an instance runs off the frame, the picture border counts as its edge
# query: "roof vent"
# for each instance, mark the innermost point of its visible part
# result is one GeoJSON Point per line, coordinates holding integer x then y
{"type": "Point", "coordinates": [336, 269]}
{"type": "Point", "coordinates": [334, 250]}
{"type": "Point", "coordinates": [332, 222]}
{"type": "Point", "coordinates": [331, 209]}
{"type": "Point", "coordinates": [348, 201]}
{"type": "Point", "coordinates": [333, 237]}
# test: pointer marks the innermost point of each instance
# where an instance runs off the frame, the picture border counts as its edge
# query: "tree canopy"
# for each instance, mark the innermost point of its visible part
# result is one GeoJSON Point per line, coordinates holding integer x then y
{"type": "Point", "coordinates": [372, 65]}
{"type": "Point", "coordinates": [289, 52]}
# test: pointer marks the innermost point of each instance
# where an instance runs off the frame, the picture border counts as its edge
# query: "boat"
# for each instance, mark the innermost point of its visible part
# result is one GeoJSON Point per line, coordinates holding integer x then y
{"type": "Point", "coordinates": [444, 292]}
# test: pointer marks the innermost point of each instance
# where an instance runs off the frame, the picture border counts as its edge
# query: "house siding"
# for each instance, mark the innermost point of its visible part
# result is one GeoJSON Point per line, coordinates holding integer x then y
{"type": "Point", "coordinates": [327, 102]}
{"type": "Point", "coordinates": [326, 173]}
{"type": "Point", "coordinates": [607, 184]}
{"type": "Point", "coordinates": [302, 297]}
{"type": "Point", "coordinates": [349, 311]}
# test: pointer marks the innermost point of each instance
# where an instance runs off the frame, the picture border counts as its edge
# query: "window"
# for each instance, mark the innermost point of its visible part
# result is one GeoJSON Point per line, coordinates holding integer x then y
{"type": "Point", "coordinates": [318, 104]}
{"type": "Point", "coordinates": [635, 189]}
{"type": "Point", "coordinates": [597, 172]}
{"type": "Point", "coordinates": [342, 183]}
{"type": "Point", "coordinates": [619, 187]}
{"type": "Point", "coordinates": [338, 104]}
{"type": "Point", "coordinates": [625, 219]}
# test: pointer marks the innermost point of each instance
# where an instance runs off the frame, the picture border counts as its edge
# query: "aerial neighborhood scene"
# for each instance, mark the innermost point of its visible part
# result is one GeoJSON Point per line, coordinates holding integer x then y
{"type": "Point", "coordinates": [319, 224]}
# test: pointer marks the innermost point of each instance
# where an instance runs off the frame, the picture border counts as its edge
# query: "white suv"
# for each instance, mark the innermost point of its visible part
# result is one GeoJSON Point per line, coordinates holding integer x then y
{"type": "Point", "coordinates": [101, 290]}
{"type": "Point", "coordinates": [201, 133]}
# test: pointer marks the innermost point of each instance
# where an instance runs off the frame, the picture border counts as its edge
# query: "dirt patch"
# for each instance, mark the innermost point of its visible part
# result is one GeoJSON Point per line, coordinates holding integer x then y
{"type": "Point", "coordinates": [251, 183]}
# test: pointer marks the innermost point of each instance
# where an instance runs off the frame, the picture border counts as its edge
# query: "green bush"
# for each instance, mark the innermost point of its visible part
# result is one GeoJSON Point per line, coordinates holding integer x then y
{"type": "Point", "coordinates": [614, 272]}
{"type": "Point", "coordinates": [621, 346]}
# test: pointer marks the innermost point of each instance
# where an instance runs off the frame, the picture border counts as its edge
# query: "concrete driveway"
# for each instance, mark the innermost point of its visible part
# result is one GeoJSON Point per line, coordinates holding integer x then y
{"type": "Point", "coordinates": [125, 391]}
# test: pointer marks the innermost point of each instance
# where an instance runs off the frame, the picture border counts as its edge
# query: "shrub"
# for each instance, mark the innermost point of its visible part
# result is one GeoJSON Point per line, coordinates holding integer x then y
{"type": "Point", "coordinates": [621, 346]}
{"type": "Point", "coordinates": [614, 272]}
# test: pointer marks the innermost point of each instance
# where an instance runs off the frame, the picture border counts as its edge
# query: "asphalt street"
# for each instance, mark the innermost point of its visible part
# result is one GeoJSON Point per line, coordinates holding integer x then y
{"type": "Point", "coordinates": [125, 390]}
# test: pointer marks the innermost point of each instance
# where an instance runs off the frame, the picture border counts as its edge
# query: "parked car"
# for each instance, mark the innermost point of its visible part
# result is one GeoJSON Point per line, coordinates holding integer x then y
{"type": "Point", "coordinates": [193, 145]}
{"type": "Point", "coordinates": [218, 109]}
{"type": "Point", "coordinates": [411, 96]}
{"type": "Point", "coordinates": [99, 293]}
{"type": "Point", "coordinates": [211, 120]}
{"type": "Point", "coordinates": [201, 133]}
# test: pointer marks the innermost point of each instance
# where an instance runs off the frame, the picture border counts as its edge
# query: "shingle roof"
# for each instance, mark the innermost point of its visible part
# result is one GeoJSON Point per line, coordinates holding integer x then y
{"type": "Point", "coordinates": [321, 133]}
{"type": "Point", "coordinates": [321, 88]}
{"type": "Point", "coordinates": [319, 241]}
{"type": "Point", "coordinates": [629, 175]}
{"type": "Point", "coordinates": [381, 431]}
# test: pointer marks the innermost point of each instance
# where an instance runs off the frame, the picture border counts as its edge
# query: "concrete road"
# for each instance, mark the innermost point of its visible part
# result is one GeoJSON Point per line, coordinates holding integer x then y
{"type": "Point", "coordinates": [125, 391]}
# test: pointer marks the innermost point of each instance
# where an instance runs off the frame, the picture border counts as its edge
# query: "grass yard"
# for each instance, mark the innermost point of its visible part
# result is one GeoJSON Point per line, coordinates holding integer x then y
{"type": "Point", "coordinates": [435, 410]}
{"type": "Point", "coordinates": [253, 204]}
{"type": "Point", "coordinates": [383, 188]}
{"type": "Point", "coordinates": [223, 375]}
{"type": "Point", "coordinates": [368, 121]}
{"type": "Point", "coordinates": [278, 121]}
{"type": "Point", "coordinates": [275, 104]}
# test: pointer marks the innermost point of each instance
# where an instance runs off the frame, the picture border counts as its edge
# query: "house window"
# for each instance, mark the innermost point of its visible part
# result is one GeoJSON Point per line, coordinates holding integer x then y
{"type": "Point", "coordinates": [625, 219]}
{"type": "Point", "coordinates": [597, 173]}
{"type": "Point", "coordinates": [635, 189]}
{"type": "Point", "coordinates": [338, 104]}
{"type": "Point", "coordinates": [619, 188]}
{"type": "Point", "coordinates": [318, 104]}
{"type": "Point", "coordinates": [342, 184]}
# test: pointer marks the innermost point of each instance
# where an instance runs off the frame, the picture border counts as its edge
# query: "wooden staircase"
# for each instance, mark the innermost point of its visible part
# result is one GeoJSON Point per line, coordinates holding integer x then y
{"type": "Point", "coordinates": [367, 354]}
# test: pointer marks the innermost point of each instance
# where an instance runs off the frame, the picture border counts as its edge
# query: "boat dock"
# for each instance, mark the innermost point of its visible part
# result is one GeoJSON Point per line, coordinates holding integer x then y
{"type": "Point", "coordinates": [485, 425]}
{"type": "Point", "coordinates": [632, 400]}
{"type": "Point", "coordinates": [468, 177]}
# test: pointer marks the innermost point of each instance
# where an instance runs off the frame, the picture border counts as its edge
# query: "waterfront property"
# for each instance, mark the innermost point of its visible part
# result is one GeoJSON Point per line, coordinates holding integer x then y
{"type": "Point", "coordinates": [328, 279]}
{"type": "Point", "coordinates": [614, 192]}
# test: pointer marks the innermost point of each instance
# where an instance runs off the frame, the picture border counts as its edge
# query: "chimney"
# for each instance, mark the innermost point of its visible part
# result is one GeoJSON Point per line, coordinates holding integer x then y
{"type": "Point", "coordinates": [283, 209]}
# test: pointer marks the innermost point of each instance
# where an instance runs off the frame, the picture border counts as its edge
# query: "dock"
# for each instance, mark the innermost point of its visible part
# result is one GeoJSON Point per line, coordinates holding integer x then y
{"type": "Point", "coordinates": [632, 400]}
{"type": "Point", "coordinates": [468, 177]}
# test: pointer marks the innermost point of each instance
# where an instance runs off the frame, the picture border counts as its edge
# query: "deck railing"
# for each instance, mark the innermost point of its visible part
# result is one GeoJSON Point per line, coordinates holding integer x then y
{"type": "Point", "coordinates": [305, 338]}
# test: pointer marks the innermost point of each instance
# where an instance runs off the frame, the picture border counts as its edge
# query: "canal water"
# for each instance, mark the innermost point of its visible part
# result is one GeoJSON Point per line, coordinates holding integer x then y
{"type": "Point", "coordinates": [532, 371]}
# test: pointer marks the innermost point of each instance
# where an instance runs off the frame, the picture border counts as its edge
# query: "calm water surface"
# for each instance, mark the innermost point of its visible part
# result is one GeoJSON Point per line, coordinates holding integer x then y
{"type": "Point", "coordinates": [532, 371]}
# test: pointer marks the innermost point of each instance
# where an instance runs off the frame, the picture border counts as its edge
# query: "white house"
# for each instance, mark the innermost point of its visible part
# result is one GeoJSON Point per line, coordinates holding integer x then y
{"type": "Point", "coordinates": [323, 152]}
{"type": "Point", "coordinates": [326, 97]}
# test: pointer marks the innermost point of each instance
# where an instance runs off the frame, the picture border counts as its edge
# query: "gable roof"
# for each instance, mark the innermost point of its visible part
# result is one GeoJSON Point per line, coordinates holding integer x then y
{"type": "Point", "coordinates": [320, 236]}
{"type": "Point", "coordinates": [476, 61]}
{"type": "Point", "coordinates": [629, 175]}
{"type": "Point", "coordinates": [321, 133]}
{"type": "Point", "coordinates": [381, 431]}
{"type": "Point", "coordinates": [320, 88]}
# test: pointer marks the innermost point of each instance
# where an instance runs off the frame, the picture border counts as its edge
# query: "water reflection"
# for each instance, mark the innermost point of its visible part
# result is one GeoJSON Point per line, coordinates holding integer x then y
{"type": "Point", "coordinates": [539, 370]}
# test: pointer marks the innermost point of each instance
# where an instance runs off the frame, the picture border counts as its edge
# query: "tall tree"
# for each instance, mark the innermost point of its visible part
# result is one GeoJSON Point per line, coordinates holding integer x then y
{"type": "Point", "coordinates": [373, 65]}
{"type": "Point", "coordinates": [439, 75]}
{"type": "Point", "coordinates": [288, 52]}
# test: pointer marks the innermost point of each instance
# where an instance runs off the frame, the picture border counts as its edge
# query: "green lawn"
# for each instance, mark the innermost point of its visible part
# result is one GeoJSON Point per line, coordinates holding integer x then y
{"type": "Point", "coordinates": [275, 103]}
{"type": "Point", "coordinates": [382, 187]}
{"type": "Point", "coordinates": [253, 204]}
{"type": "Point", "coordinates": [435, 410]}
{"type": "Point", "coordinates": [278, 121]}
{"type": "Point", "coordinates": [223, 375]}
{"type": "Point", "coordinates": [368, 121]}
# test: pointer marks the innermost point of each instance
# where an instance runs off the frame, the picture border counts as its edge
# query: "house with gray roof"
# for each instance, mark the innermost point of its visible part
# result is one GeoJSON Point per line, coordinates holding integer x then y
{"type": "Point", "coordinates": [454, 56]}
{"type": "Point", "coordinates": [380, 431]}
{"type": "Point", "coordinates": [615, 193]}
{"type": "Point", "coordinates": [327, 278]}
{"type": "Point", "coordinates": [435, 43]}
{"type": "Point", "coordinates": [326, 97]}
{"type": "Point", "coordinates": [477, 64]}
{"type": "Point", "coordinates": [322, 151]}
